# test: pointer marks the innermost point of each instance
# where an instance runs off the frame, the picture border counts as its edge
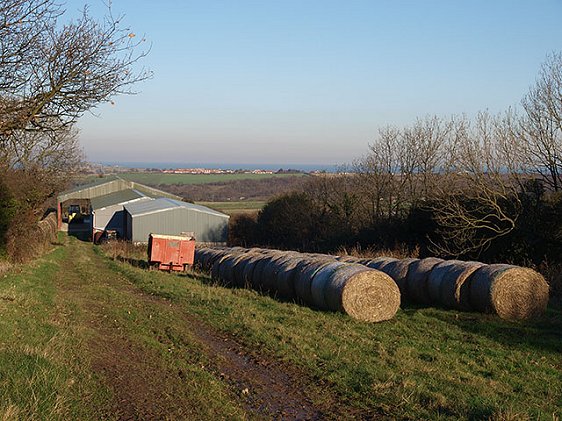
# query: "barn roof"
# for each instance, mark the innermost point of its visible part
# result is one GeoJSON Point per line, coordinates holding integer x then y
{"type": "Point", "coordinates": [164, 204]}
{"type": "Point", "coordinates": [110, 184]}
{"type": "Point", "coordinates": [116, 198]}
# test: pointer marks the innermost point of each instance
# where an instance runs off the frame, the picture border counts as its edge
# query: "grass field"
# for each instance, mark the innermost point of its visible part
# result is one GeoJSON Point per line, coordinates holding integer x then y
{"type": "Point", "coordinates": [163, 179]}
{"type": "Point", "coordinates": [85, 337]}
{"type": "Point", "coordinates": [232, 208]}
{"type": "Point", "coordinates": [425, 364]}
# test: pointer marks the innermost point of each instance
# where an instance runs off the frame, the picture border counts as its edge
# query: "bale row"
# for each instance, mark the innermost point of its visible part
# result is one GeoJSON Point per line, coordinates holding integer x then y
{"type": "Point", "coordinates": [318, 281]}
{"type": "Point", "coordinates": [511, 292]}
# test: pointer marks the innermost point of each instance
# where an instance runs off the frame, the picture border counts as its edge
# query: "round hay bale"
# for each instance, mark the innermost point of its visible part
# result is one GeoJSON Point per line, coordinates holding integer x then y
{"type": "Point", "coordinates": [453, 291]}
{"type": "Point", "coordinates": [416, 280]}
{"type": "Point", "coordinates": [511, 292]}
{"type": "Point", "coordinates": [216, 269]}
{"type": "Point", "coordinates": [273, 271]}
{"type": "Point", "coordinates": [258, 274]}
{"type": "Point", "coordinates": [303, 278]}
{"type": "Point", "coordinates": [199, 257]}
{"type": "Point", "coordinates": [363, 293]}
{"type": "Point", "coordinates": [435, 278]}
{"type": "Point", "coordinates": [379, 262]}
{"type": "Point", "coordinates": [398, 270]}
{"type": "Point", "coordinates": [239, 267]}
{"type": "Point", "coordinates": [237, 249]}
{"type": "Point", "coordinates": [248, 270]}
{"type": "Point", "coordinates": [318, 284]}
{"type": "Point", "coordinates": [270, 271]}
{"type": "Point", "coordinates": [210, 258]}
{"type": "Point", "coordinates": [226, 271]}
{"type": "Point", "coordinates": [285, 280]}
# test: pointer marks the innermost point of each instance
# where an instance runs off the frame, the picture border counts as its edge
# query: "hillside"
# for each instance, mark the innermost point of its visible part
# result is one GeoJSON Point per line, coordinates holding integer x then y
{"type": "Point", "coordinates": [87, 337]}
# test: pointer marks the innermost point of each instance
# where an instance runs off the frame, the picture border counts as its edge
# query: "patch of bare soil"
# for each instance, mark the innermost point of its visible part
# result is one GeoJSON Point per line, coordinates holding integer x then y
{"type": "Point", "coordinates": [267, 388]}
{"type": "Point", "coordinates": [137, 384]}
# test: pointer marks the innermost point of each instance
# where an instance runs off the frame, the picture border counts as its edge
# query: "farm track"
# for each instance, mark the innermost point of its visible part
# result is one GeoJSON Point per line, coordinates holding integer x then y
{"type": "Point", "coordinates": [143, 382]}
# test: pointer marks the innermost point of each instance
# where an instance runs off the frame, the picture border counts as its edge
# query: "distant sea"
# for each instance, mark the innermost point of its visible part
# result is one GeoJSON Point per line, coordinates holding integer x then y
{"type": "Point", "coordinates": [215, 165]}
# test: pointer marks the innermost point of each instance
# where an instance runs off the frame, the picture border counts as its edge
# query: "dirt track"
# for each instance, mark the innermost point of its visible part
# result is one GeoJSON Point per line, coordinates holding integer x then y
{"type": "Point", "coordinates": [142, 381]}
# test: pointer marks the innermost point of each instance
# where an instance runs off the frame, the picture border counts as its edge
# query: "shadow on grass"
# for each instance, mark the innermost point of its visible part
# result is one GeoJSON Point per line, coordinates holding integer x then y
{"type": "Point", "coordinates": [543, 333]}
{"type": "Point", "coordinates": [138, 263]}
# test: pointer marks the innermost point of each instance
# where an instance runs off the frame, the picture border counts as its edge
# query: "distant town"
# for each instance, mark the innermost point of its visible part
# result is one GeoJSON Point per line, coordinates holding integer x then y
{"type": "Point", "coordinates": [96, 168]}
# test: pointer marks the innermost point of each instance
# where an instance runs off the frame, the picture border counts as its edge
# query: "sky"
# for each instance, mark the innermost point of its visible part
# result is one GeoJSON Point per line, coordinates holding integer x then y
{"type": "Point", "coordinates": [312, 82]}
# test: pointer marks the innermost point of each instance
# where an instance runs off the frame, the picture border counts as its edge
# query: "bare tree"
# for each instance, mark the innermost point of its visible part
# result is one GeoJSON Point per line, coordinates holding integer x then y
{"type": "Point", "coordinates": [51, 73]}
{"type": "Point", "coordinates": [479, 200]}
{"type": "Point", "coordinates": [375, 175]}
{"type": "Point", "coordinates": [541, 127]}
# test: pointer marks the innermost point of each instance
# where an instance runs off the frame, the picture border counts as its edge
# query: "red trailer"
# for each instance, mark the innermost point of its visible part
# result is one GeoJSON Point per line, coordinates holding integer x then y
{"type": "Point", "coordinates": [170, 252]}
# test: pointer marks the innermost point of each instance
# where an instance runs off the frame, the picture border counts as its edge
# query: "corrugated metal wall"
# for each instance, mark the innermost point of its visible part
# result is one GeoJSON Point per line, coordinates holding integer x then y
{"type": "Point", "coordinates": [207, 227]}
{"type": "Point", "coordinates": [96, 191]}
{"type": "Point", "coordinates": [103, 216]}
{"type": "Point", "coordinates": [110, 218]}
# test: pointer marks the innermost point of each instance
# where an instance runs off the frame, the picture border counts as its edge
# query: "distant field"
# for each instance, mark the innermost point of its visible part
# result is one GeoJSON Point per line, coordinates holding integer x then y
{"type": "Point", "coordinates": [232, 208]}
{"type": "Point", "coordinates": [158, 178]}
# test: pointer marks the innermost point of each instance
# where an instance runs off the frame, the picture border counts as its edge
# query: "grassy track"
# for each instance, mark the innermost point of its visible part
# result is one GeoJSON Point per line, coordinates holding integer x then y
{"type": "Point", "coordinates": [40, 369]}
{"type": "Point", "coordinates": [77, 342]}
{"type": "Point", "coordinates": [162, 179]}
{"type": "Point", "coordinates": [86, 337]}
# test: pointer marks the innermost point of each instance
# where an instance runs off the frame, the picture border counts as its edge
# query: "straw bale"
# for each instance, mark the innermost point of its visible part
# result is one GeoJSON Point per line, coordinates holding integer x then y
{"type": "Point", "coordinates": [362, 293]}
{"type": "Point", "coordinates": [318, 284]}
{"type": "Point", "coordinates": [511, 292]}
{"type": "Point", "coordinates": [227, 269]}
{"type": "Point", "coordinates": [247, 271]}
{"type": "Point", "coordinates": [454, 283]}
{"type": "Point", "coordinates": [285, 279]}
{"type": "Point", "coordinates": [303, 278]}
{"type": "Point", "coordinates": [398, 270]}
{"type": "Point", "coordinates": [270, 271]}
{"type": "Point", "coordinates": [216, 269]}
{"type": "Point", "coordinates": [379, 262]}
{"type": "Point", "coordinates": [435, 279]}
{"type": "Point", "coordinates": [416, 280]}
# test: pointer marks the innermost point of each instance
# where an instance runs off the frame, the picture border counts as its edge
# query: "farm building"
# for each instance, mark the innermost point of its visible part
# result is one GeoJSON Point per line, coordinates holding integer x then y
{"type": "Point", "coordinates": [107, 210]}
{"type": "Point", "coordinates": [173, 217]}
{"type": "Point", "coordinates": [98, 199]}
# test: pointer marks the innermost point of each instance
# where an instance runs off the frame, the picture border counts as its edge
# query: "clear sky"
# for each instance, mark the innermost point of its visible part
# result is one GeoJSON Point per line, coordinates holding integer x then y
{"type": "Point", "coordinates": [307, 81]}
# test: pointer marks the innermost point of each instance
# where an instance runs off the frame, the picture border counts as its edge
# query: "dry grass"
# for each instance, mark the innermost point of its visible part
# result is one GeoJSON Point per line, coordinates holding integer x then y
{"type": "Point", "coordinates": [5, 266]}
{"type": "Point", "coordinates": [9, 413]}
{"type": "Point", "coordinates": [124, 250]}
{"type": "Point", "coordinates": [399, 252]}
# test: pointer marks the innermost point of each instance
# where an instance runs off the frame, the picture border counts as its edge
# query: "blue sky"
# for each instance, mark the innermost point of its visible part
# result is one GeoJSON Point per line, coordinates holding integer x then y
{"type": "Point", "coordinates": [312, 81]}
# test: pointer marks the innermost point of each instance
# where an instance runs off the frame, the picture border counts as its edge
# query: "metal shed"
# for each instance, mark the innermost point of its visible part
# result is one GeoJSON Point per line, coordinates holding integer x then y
{"type": "Point", "coordinates": [107, 210]}
{"type": "Point", "coordinates": [103, 187]}
{"type": "Point", "coordinates": [173, 217]}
